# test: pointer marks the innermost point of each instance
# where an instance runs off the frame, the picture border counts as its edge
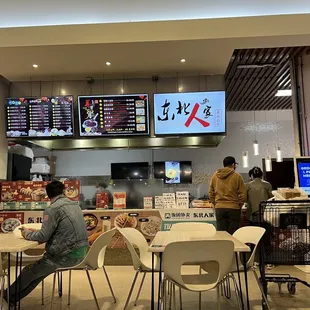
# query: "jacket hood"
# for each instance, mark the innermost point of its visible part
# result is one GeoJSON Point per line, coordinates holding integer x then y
{"type": "Point", "coordinates": [223, 173]}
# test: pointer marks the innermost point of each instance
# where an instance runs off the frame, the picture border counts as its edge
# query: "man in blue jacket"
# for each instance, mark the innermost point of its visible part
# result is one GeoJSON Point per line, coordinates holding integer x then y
{"type": "Point", "coordinates": [65, 235]}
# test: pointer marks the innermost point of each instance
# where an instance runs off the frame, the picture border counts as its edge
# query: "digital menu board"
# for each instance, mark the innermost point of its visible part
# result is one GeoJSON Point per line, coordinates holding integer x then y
{"type": "Point", "coordinates": [118, 115]}
{"type": "Point", "coordinates": [189, 113]}
{"type": "Point", "coordinates": [303, 171]}
{"type": "Point", "coordinates": [39, 117]}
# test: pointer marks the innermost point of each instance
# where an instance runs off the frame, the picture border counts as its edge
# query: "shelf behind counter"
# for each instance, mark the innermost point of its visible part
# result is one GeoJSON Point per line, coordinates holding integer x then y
{"type": "Point", "coordinates": [147, 221]}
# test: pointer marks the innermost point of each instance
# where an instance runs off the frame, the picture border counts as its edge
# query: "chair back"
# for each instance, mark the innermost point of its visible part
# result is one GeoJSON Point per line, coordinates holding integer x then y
{"type": "Point", "coordinates": [96, 254]}
{"type": "Point", "coordinates": [250, 234]}
{"type": "Point", "coordinates": [207, 229]}
{"type": "Point", "coordinates": [17, 232]}
{"type": "Point", "coordinates": [3, 263]}
{"type": "Point", "coordinates": [133, 237]}
{"type": "Point", "coordinates": [182, 253]}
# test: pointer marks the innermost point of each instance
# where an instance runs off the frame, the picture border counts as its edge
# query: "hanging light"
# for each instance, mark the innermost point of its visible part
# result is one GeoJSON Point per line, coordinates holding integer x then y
{"type": "Point", "coordinates": [255, 144]}
{"type": "Point", "coordinates": [245, 159]}
{"type": "Point", "coordinates": [256, 148]}
{"type": "Point", "coordinates": [268, 163]}
{"type": "Point", "coordinates": [279, 155]}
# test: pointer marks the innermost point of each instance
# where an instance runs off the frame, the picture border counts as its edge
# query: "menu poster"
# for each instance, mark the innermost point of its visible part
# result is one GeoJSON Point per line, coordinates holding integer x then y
{"type": "Point", "coordinates": [169, 200]}
{"type": "Point", "coordinates": [148, 202]}
{"type": "Point", "coordinates": [102, 201]}
{"type": "Point", "coordinates": [39, 117]}
{"type": "Point", "coordinates": [159, 202]}
{"type": "Point", "coordinates": [10, 220]}
{"type": "Point", "coordinates": [119, 200]}
{"type": "Point", "coordinates": [182, 199]}
{"type": "Point", "coordinates": [117, 115]}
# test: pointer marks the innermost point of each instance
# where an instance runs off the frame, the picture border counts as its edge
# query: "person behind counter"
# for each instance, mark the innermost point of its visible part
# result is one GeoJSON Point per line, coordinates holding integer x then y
{"type": "Point", "coordinates": [64, 232]}
{"type": "Point", "coordinates": [227, 193]}
{"type": "Point", "coordinates": [258, 190]}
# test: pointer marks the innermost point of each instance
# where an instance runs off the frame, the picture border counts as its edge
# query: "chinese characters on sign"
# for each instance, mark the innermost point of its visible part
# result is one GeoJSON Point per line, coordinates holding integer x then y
{"type": "Point", "coordinates": [113, 115]}
{"type": "Point", "coordinates": [189, 113]}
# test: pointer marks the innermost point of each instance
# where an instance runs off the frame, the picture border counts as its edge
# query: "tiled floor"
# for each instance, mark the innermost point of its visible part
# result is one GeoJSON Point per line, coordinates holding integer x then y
{"type": "Point", "coordinates": [121, 278]}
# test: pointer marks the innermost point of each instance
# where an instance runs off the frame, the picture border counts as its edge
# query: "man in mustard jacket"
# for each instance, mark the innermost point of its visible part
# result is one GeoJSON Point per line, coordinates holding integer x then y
{"type": "Point", "coordinates": [227, 193]}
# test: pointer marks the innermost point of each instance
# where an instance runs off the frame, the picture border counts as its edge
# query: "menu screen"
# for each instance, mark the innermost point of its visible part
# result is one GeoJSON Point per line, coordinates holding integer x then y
{"type": "Point", "coordinates": [39, 117]}
{"type": "Point", "coordinates": [113, 115]}
{"type": "Point", "coordinates": [172, 172]}
{"type": "Point", "coordinates": [189, 113]}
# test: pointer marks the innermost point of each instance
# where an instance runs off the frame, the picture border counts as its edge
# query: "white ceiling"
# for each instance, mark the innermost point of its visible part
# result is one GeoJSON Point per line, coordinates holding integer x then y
{"type": "Point", "coordinates": [21, 13]}
{"type": "Point", "coordinates": [140, 49]}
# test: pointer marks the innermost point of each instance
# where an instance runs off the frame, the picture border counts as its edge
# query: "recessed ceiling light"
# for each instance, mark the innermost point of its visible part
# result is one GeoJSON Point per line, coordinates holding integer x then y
{"type": "Point", "coordinates": [183, 60]}
{"type": "Point", "coordinates": [35, 65]}
{"type": "Point", "coordinates": [108, 63]}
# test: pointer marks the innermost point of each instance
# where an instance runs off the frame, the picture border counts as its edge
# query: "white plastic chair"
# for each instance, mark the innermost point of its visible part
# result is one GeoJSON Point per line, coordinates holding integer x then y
{"type": "Point", "coordinates": [178, 254]}
{"type": "Point", "coordinates": [208, 230]}
{"type": "Point", "coordinates": [93, 260]}
{"type": "Point", "coordinates": [3, 275]}
{"type": "Point", "coordinates": [252, 235]}
{"type": "Point", "coordinates": [26, 257]}
{"type": "Point", "coordinates": [142, 263]}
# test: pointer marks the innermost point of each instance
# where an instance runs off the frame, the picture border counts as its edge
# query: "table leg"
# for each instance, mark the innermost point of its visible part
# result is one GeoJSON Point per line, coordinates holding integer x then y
{"type": "Point", "coordinates": [9, 279]}
{"type": "Point", "coordinates": [60, 284]}
{"type": "Point", "coordinates": [16, 286]}
{"type": "Point", "coordinates": [20, 277]}
{"type": "Point", "coordinates": [159, 280]}
{"type": "Point", "coordinates": [239, 279]}
{"type": "Point", "coordinates": [152, 288]}
{"type": "Point", "coordinates": [244, 262]}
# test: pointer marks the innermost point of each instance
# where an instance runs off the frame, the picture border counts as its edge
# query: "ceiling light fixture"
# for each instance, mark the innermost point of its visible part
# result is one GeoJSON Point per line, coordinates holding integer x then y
{"type": "Point", "coordinates": [108, 63]}
{"type": "Point", "coordinates": [255, 144]}
{"type": "Point", "coordinates": [35, 66]}
{"type": "Point", "coordinates": [245, 159]}
{"type": "Point", "coordinates": [284, 93]}
{"type": "Point", "coordinates": [268, 163]}
{"type": "Point", "coordinates": [183, 60]}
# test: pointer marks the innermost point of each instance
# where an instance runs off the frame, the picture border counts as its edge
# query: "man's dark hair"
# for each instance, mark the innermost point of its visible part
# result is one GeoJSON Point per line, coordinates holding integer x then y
{"type": "Point", "coordinates": [257, 173]}
{"type": "Point", "coordinates": [54, 189]}
{"type": "Point", "coordinates": [229, 161]}
{"type": "Point", "coordinates": [251, 173]}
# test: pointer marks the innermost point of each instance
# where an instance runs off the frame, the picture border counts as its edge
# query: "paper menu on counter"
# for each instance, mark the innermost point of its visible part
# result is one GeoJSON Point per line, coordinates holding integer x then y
{"type": "Point", "coordinates": [182, 199]}
{"type": "Point", "coordinates": [169, 200]}
{"type": "Point", "coordinates": [159, 202]}
{"type": "Point", "coordinates": [148, 202]}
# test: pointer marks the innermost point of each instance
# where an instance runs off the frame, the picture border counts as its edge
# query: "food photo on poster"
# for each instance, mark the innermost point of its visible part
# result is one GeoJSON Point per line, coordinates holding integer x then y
{"type": "Point", "coordinates": [39, 117]}
{"type": "Point", "coordinates": [117, 115]}
{"type": "Point", "coordinates": [189, 113]}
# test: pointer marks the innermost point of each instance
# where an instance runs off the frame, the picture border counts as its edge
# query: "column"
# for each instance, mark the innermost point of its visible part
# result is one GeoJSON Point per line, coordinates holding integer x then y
{"type": "Point", "coordinates": [300, 81]}
{"type": "Point", "coordinates": [4, 91]}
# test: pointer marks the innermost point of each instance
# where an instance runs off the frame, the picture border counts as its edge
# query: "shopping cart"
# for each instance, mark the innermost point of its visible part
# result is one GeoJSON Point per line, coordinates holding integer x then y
{"type": "Point", "coordinates": [286, 241]}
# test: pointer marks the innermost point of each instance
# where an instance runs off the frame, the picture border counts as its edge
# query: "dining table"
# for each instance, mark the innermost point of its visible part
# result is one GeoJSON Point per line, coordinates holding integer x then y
{"type": "Point", "coordinates": [10, 243]}
{"type": "Point", "coordinates": [163, 238]}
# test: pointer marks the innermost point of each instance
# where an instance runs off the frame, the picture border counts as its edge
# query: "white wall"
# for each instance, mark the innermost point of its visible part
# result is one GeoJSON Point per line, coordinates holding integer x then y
{"type": "Point", "coordinates": [205, 160]}
{"type": "Point", "coordinates": [97, 162]}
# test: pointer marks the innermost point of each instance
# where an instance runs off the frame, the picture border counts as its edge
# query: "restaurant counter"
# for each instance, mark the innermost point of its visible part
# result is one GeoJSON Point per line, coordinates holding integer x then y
{"type": "Point", "coordinates": [147, 221]}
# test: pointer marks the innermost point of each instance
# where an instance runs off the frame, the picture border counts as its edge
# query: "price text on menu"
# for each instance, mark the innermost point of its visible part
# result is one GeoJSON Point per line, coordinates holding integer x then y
{"type": "Point", "coordinates": [113, 115]}
{"type": "Point", "coordinates": [39, 117]}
